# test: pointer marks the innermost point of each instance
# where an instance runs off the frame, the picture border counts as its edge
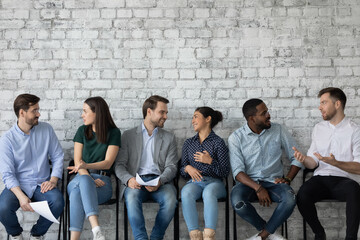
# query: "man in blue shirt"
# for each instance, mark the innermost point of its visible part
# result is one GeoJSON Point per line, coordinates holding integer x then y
{"type": "Point", "coordinates": [25, 150]}
{"type": "Point", "coordinates": [255, 158]}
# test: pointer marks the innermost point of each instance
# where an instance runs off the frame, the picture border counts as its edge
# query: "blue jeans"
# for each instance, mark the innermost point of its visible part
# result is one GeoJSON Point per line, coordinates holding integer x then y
{"type": "Point", "coordinates": [85, 198]}
{"type": "Point", "coordinates": [210, 189]}
{"type": "Point", "coordinates": [242, 195]}
{"type": "Point", "coordinates": [165, 196]}
{"type": "Point", "coordinates": [9, 204]}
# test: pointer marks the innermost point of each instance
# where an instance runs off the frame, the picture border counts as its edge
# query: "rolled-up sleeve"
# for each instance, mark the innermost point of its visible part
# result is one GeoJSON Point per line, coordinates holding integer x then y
{"type": "Point", "coordinates": [56, 155]}
{"type": "Point", "coordinates": [7, 164]}
{"type": "Point", "coordinates": [236, 156]}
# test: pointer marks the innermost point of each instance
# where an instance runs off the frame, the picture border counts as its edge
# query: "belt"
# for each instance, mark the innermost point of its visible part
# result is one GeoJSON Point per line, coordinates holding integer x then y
{"type": "Point", "coordinates": [100, 172]}
{"type": "Point", "coordinates": [149, 175]}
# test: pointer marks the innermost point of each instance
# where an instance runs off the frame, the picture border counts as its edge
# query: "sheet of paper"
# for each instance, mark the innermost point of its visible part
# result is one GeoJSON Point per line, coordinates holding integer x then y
{"type": "Point", "coordinates": [43, 209]}
{"type": "Point", "coordinates": [152, 183]}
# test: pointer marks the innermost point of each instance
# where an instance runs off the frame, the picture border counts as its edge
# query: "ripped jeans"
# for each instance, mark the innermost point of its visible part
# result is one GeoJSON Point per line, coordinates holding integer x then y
{"type": "Point", "coordinates": [283, 194]}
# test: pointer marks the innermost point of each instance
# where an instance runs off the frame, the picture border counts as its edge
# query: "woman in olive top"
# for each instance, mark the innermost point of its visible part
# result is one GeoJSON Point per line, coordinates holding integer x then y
{"type": "Point", "coordinates": [96, 146]}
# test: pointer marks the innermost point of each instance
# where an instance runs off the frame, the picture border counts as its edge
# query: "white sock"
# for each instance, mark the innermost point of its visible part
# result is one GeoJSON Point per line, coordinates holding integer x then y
{"type": "Point", "coordinates": [96, 229]}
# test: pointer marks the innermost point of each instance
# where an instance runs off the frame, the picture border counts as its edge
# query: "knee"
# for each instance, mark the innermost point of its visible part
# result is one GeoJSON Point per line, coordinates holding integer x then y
{"type": "Point", "coordinates": [169, 201]}
{"type": "Point", "coordinates": [290, 198]}
{"type": "Point", "coordinates": [85, 179]}
{"type": "Point", "coordinates": [303, 195]}
{"type": "Point", "coordinates": [355, 190]}
{"type": "Point", "coordinates": [56, 201]}
{"type": "Point", "coordinates": [236, 200]}
{"type": "Point", "coordinates": [132, 197]}
{"type": "Point", "coordinates": [186, 193]}
{"type": "Point", "coordinates": [208, 195]}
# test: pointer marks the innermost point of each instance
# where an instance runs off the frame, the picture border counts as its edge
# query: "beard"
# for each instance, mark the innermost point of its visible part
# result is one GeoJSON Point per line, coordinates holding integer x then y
{"type": "Point", "coordinates": [264, 125]}
{"type": "Point", "coordinates": [32, 121]}
{"type": "Point", "coordinates": [160, 123]}
{"type": "Point", "coordinates": [328, 116]}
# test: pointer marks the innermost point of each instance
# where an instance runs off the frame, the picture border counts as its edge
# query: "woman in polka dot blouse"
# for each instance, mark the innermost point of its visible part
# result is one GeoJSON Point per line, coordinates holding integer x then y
{"type": "Point", "coordinates": [205, 159]}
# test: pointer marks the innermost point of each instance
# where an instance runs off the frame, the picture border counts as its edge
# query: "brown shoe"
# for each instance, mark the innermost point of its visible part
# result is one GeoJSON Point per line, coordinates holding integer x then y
{"type": "Point", "coordinates": [209, 234]}
{"type": "Point", "coordinates": [196, 235]}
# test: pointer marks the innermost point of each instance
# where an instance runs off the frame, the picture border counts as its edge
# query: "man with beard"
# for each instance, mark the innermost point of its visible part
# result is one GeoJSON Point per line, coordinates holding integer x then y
{"type": "Point", "coordinates": [24, 157]}
{"type": "Point", "coordinates": [335, 155]}
{"type": "Point", "coordinates": [255, 158]}
{"type": "Point", "coordinates": [150, 152]}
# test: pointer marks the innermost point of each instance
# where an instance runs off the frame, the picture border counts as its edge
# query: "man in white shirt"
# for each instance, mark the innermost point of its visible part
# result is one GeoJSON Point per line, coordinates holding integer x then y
{"type": "Point", "coordinates": [335, 155]}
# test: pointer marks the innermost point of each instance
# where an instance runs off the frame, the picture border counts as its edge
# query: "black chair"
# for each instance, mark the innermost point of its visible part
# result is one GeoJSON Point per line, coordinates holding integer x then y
{"type": "Point", "coordinates": [306, 172]}
{"type": "Point", "coordinates": [109, 202]}
{"type": "Point", "coordinates": [284, 229]}
{"type": "Point", "coordinates": [227, 217]}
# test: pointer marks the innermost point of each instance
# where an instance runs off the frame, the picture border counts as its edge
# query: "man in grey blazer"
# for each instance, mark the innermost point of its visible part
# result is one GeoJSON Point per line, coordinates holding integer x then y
{"type": "Point", "coordinates": [150, 152]}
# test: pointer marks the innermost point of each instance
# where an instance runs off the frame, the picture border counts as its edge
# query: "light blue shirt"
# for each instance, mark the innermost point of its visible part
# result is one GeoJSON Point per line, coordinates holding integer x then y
{"type": "Point", "coordinates": [25, 158]}
{"type": "Point", "coordinates": [147, 165]}
{"type": "Point", "coordinates": [259, 155]}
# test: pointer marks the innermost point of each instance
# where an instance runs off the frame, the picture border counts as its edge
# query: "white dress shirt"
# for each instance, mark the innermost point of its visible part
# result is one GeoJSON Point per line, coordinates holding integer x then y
{"type": "Point", "coordinates": [342, 140]}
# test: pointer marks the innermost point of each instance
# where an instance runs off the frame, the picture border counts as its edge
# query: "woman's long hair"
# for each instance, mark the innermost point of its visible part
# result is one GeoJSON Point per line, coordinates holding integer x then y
{"type": "Point", "coordinates": [103, 119]}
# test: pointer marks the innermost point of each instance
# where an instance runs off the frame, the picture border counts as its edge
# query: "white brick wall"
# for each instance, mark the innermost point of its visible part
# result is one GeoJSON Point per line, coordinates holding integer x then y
{"type": "Point", "coordinates": [217, 53]}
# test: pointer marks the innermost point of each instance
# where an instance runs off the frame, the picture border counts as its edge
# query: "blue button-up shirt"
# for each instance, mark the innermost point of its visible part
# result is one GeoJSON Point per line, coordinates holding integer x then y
{"type": "Point", "coordinates": [25, 158]}
{"type": "Point", "coordinates": [259, 155]}
{"type": "Point", "coordinates": [216, 147]}
{"type": "Point", "coordinates": [147, 165]}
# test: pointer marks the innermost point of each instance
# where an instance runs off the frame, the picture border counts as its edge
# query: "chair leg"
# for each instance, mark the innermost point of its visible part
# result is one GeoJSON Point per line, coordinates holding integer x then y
{"type": "Point", "coordinates": [117, 217]}
{"type": "Point", "coordinates": [304, 228]}
{"type": "Point", "coordinates": [234, 225]}
{"type": "Point", "coordinates": [227, 220]}
{"type": "Point", "coordinates": [176, 223]}
{"type": "Point", "coordinates": [125, 222]}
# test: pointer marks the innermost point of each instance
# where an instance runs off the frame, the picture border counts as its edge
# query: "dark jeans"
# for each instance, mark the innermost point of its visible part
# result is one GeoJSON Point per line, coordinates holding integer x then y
{"type": "Point", "coordinates": [319, 188]}
{"type": "Point", "coordinates": [9, 204]}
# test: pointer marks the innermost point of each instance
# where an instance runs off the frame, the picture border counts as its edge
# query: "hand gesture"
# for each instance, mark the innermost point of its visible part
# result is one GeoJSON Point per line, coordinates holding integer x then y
{"type": "Point", "coordinates": [77, 167]}
{"type": "Point", "coordinates": [298, 155]}
{"type": "Point", "coordinates": [203, 157]}
{"type": "Point", "coordinates": [153, 188]}
{"type": "Point", "coordinates": [329, 160]}
{"type": "Point", "coordinates": [24, 203]}
{"type": "Point", "coordinates": [47, 186]}
{"type": "Point", "coordinates": [263, 196]}
{"type": "Point", "coordinates": [99, 182]}
{"type": "Point", "coordinates": [194, 173]}
{"type": "Point", "coordinates": [132, 183]}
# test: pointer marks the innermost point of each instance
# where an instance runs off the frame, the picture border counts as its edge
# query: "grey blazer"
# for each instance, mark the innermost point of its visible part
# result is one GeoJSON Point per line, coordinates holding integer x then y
{"type": "Point", "coordinates": [128, 160]}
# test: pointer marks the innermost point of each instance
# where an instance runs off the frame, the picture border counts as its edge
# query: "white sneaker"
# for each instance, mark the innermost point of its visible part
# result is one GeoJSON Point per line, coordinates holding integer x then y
{"type": "Point", "coordinates": [36, 237]}
{"type": "Point", "coordinates": [99, 236]}
{"type": "Point", "coordinates": [276, 237]}
{"type": "Point", "coordinates": [255, 237]}
{"type": "Point", "coordinates": [18, 237]}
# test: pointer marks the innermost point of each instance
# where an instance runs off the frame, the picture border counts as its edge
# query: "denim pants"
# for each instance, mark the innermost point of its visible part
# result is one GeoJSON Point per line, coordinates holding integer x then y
{"type": "Point", "coordinates": [283, 194]}
{"type": "Point", "coordinates": [9, 204]}
{"type": "Point", "coordinates": [210, 189]}
{"type": "Point", "coordinates": [318, 188]}
{"type": "Point", "coordinates": [85, 198]}
{"type": "Point", "coordinates": [165, 196]}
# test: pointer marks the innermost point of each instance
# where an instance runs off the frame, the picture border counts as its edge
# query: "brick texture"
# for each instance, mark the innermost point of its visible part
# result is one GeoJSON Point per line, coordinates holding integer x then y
{"type": "Point", "coordinates": [217, 53]}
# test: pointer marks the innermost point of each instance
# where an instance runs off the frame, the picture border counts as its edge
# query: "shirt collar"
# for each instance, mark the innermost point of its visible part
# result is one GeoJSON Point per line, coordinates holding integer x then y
{"type": "Point", "coordinates": [248, 130]}
{"type": "Point", "coordinates": [210, 136]}
{"type": "Point", "coordinates": [18, 130]}
{"type": "Point", "coordinates": [340, 124]}
{"type": "Point", "coordinates": [144, 130]}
